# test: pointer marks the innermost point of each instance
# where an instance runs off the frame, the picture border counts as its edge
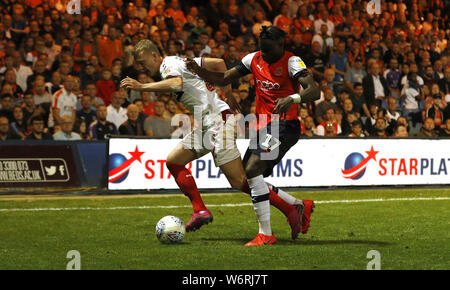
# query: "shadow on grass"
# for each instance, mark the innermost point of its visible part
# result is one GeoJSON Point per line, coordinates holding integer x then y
{"type": "Point", "coordinates": [299, 242]}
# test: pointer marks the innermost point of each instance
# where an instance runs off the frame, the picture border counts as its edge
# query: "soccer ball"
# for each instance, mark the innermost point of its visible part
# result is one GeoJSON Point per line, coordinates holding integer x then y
{"type": "Point", "coordinates": [170, 230]}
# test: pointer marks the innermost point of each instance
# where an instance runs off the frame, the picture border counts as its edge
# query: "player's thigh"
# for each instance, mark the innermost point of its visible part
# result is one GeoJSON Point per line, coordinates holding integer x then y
{"type": "Point", "coordinates": [181, 155]}
{"type": "Point", "coordinates": [234, 172]}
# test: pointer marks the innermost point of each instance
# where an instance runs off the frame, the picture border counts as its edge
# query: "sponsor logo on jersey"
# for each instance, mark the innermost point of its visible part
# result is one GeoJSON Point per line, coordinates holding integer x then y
{"type": "Point", "coordinates": [267, 85]}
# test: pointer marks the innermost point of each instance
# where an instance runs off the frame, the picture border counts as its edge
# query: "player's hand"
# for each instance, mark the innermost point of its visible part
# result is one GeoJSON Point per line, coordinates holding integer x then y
{"type": "Point", "coordinates": [234, 105]}
{"type": "Point", "coordinates": [282, 106]}
{"type": "Point", "coordinates": [192, 65]}
{"type": "Point", "coordinates": [129, 83]}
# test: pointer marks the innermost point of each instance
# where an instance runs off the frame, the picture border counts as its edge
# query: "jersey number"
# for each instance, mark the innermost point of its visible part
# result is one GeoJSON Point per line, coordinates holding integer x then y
{"type": "Point", "coordinates": [270, 143]}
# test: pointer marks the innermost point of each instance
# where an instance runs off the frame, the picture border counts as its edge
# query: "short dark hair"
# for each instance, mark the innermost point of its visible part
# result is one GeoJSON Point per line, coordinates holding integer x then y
{"type": "Point", "coordinates": [36, 118]}
{"type": "Point", "coordinates": [272, 33]}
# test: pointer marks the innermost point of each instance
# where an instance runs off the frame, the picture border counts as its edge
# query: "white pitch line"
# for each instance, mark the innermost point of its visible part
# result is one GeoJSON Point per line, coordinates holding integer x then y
{"type": "Point", "coordinates": [216, 205]}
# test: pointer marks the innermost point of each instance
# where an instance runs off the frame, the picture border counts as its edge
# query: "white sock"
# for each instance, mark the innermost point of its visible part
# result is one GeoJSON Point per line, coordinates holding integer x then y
{"type": "Point", "coordinates": [261, 204]}
{"type": "Point", "coordinates": [284, 195]}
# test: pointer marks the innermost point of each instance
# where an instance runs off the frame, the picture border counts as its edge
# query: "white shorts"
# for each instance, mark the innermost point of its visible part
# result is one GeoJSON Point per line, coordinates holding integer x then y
{"type": "Point", "coordinates": [218, 138]}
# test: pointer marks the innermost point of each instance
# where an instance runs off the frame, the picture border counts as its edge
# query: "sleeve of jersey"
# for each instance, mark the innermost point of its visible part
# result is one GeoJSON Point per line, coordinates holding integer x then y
{"type": "Point", "coordinates": [297, 67]}
{"type": "Point", "coordinates": [170, 68]}
{"type": "Point", "coordinates": [244, 67]}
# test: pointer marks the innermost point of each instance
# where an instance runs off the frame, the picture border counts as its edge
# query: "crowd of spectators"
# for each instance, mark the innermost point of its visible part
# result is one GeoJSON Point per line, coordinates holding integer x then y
{"type": "Point", "coordinates": [383, 74]}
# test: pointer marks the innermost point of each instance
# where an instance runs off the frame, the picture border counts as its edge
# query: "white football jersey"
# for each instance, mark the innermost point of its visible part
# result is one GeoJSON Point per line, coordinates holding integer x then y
{"type": "Point", "coordinates": [196, 93]}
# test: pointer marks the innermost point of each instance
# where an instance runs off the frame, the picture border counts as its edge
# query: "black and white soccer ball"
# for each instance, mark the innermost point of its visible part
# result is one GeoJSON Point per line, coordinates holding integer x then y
{"type": "Point", "coordinates": [170, 230]}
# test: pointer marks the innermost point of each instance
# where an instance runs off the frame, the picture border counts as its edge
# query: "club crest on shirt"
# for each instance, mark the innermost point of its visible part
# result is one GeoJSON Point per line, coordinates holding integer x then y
{"type": "Point", "coordinates": [278, 71]}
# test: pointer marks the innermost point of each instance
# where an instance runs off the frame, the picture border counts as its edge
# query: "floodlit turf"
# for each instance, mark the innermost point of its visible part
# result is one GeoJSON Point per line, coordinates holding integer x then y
{"type": "Point", "coordinates": [117, 234]}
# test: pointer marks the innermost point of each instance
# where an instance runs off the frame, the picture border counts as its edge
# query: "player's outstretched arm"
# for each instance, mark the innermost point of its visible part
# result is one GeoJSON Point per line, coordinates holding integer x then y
{"type": "Point", "coordinates": [174, 84]}
{"type": "Point", "coordinates": [310, 93]}
{"type": "Point", "coordinates": [213, 77]}
{"type": "Point", "coordinates": [218, 65]}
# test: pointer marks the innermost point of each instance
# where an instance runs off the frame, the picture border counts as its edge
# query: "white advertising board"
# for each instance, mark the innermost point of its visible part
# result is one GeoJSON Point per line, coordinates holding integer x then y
{"type": "Point", "coordinates": [140, 163]}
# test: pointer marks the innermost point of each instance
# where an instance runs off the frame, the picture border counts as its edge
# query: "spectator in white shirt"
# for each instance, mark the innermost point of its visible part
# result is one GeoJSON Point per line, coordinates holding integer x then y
{"type": "Point", "coordinates": [116, 114]}
{"type": "Point", "coordinates": [64, 102]}
{"type": "Point", "coordinates": [324, 20]}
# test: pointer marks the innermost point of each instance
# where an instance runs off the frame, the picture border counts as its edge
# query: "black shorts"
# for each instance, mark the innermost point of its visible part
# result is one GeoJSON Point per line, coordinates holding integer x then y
{"type": "Point", "coordinates": [270, 147]}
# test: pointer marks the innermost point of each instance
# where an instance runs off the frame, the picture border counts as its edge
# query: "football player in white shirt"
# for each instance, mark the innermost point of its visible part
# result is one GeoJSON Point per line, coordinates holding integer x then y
{"type": "Point", "coordinates": [216, 132]}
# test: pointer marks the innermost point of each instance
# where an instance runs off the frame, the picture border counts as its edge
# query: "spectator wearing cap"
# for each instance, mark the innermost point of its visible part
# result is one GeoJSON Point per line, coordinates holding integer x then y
{"type": "Point", "coordinates": [355, 74]}
{"type": "Point", "coordinates": [5, 132]}
{"type": "Point", "coordinates": [375, 85]}
{"type": "Point", "coordinates": [37, 125]}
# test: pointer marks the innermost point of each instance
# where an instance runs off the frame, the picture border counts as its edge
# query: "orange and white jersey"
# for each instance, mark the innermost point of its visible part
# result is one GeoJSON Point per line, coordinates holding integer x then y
{"type": "Point", "coordinates": [65, 102]}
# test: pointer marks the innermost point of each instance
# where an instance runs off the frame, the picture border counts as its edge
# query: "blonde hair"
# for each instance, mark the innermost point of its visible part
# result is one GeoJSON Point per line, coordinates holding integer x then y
{"type": "Point", "coordinates": [145, 45]}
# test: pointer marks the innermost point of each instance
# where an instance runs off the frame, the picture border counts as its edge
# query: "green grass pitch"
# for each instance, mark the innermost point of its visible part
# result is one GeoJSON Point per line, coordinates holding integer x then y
{"type": "Point", "coordinates": [110, 232]}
